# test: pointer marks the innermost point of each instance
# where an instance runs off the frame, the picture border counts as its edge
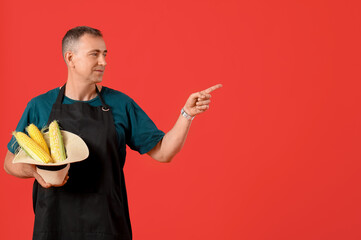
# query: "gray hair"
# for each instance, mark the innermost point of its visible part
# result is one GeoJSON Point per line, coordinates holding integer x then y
{"type": "Point", "coordinates": [73, 35]}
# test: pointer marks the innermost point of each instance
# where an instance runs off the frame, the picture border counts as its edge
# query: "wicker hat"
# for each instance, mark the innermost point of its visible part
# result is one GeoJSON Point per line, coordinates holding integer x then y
{"type": "Point", "coordinates": [54, 173]}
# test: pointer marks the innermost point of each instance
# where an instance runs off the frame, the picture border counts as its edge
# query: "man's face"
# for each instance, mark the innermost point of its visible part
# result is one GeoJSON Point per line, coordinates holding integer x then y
{"type": "Point", "coordinates": [89, 59]}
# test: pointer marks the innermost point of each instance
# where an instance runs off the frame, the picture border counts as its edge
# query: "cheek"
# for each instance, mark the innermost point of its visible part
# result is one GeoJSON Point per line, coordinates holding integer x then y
{"type": "Point", "coordinates": [84, 66]}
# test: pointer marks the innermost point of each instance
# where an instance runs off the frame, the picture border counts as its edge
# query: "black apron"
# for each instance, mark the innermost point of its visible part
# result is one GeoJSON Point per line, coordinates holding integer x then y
{"type": "Point", "coordinates": [93, 203]}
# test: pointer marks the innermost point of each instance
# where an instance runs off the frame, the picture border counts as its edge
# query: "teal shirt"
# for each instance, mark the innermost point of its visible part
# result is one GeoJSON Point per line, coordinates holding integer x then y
{"type": "Point", "coordinates": [134, 128]}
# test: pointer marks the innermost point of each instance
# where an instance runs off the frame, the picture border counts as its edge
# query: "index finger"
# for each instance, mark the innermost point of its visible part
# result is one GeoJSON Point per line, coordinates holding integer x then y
{"type": "Point", "coordinates": [41, 181]}
{"type": "Point", "coordinates": [211, 89]}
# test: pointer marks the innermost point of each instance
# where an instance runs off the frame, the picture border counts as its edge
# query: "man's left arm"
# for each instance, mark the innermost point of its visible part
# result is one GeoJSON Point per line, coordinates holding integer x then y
{"type": "Point", "coordinates": [174, 140]}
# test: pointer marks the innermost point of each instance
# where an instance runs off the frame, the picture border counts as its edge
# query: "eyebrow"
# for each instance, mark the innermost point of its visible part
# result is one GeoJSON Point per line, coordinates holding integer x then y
{"type": "Point", "coordinates": [97, 50]}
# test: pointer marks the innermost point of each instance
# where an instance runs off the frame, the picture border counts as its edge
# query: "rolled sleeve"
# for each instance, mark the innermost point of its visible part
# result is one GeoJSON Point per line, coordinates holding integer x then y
{"type": "Point", "coordinates": [26, 118]}
{"type": "Point", "coordinates": [144, 134]}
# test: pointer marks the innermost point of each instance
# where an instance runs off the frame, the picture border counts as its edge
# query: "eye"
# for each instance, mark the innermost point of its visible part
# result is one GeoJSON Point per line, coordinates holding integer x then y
{"type": "Point", "coordinates": [94, 54]}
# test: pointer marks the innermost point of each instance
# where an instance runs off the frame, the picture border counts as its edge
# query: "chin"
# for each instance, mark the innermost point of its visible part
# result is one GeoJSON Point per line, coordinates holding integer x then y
{"type": "Point", "coordinates": [97, 81]}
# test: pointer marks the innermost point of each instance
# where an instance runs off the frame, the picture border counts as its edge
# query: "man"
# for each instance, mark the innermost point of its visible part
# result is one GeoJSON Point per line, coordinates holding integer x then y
{"type": "Point", "coordinates": [91, 203]}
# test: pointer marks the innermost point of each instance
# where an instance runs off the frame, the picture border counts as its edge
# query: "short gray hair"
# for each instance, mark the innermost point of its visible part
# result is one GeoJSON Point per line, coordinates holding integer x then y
{"type": "Point", "coordinates": [74, 34]}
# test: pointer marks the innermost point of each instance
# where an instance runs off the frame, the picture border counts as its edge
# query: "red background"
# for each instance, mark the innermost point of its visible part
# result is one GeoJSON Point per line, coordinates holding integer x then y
{"type": "Point", "coordinates": [278, 154]}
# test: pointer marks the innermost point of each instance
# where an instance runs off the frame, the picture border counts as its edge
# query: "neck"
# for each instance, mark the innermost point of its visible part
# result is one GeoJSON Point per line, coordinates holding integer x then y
{"type": "Point", "coordinates": [80, 91]}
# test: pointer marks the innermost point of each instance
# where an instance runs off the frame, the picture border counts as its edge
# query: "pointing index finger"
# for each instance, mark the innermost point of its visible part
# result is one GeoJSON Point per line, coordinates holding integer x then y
{"type": "Point", "coordinates": [211, 89]}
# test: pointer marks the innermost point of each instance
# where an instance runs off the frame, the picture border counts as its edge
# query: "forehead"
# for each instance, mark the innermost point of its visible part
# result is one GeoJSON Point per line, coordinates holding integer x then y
{"type": "Point", "coordinates": [88, 42]}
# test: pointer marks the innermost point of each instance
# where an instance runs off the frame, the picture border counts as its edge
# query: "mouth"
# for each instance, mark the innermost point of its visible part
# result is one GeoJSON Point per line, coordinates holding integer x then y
{"type": "Point", "coordinates": [100, 71]}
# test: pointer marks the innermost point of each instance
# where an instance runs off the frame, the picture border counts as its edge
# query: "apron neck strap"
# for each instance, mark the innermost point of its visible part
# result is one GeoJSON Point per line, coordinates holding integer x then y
{"type": "Point", "coordinates": [105, 107]}
{"type": "Point", "coordinates": [59, 99]}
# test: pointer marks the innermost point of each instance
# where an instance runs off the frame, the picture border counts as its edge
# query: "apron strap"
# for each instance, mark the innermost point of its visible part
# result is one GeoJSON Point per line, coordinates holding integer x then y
{"type": "Point", "coordinates": [59, 99]}
{"type": "Point", "coordinates": [105, 107]}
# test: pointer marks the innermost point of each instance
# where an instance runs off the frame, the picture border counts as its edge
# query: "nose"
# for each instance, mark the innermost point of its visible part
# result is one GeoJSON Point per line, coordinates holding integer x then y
{"type": "Point", "coordinates": [101, 60]}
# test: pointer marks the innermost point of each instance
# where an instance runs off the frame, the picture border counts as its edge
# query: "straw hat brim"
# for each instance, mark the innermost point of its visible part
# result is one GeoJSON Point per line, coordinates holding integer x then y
{"type": "Point", "coordinates": [75, 147]}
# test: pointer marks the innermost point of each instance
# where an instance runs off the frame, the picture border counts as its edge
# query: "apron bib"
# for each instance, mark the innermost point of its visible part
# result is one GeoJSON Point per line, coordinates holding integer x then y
{"type": "Point", "coordinates": [93, 203]}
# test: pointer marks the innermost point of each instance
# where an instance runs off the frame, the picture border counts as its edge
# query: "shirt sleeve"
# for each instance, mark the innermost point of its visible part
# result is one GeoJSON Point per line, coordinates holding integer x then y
{"type": "Point", "coordinates": [25, 120]}
{"type": "Point", "coordinates": [143, 133]}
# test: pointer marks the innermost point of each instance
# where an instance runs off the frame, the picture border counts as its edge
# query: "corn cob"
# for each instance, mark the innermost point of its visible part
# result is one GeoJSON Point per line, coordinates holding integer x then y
{"type": "Point", "coordinates": [57, 148]}
{"type": "Point", "coordinates": [31, 147]}
{"type": "Point", "coordinates": [37, 136]}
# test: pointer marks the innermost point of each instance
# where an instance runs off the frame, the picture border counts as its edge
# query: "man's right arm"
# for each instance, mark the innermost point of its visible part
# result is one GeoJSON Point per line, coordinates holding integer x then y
{"type": "Point", "coordinates": [22, 170]}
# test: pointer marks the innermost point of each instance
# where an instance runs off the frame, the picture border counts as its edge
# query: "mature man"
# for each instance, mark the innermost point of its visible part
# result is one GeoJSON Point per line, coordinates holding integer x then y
{"type": "Point", "coordinates": [92, 203]}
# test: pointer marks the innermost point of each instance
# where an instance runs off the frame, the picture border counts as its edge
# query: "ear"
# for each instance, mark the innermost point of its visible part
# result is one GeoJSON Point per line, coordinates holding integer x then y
{"type": "Point", "coordinates": [69, 57]}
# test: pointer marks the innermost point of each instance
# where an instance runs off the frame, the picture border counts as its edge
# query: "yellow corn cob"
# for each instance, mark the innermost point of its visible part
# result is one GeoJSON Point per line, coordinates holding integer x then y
{"type": "Point", "coordinates": [57, 148]}
{"type": "Point", "coordinates": [37, 136]}
{"type": "Point", "coordinates": [31, 147]}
